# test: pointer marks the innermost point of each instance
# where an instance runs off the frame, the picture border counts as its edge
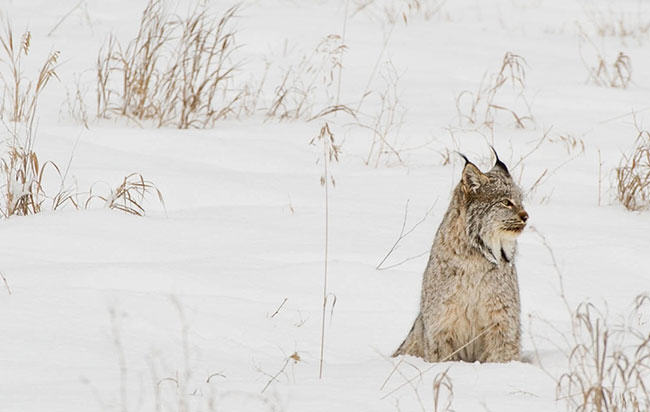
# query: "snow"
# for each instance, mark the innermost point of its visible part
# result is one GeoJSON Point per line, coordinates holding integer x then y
{"type": "Point", "coordinates": [104, 306]}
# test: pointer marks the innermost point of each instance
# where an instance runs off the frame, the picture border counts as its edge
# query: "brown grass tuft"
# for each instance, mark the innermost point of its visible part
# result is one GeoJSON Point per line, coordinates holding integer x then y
{"type": "Point", "coordinates": [175, 71]}
{"type": "Point", "coordinates": [603, 71]}
{"type": "Point", "coordinates": [129, 195]}
{"type": "Point", "coordinates": [633, 175]}
{"type": "Point", "coordinates": [24, 175]}
{"type": "Point", "coordinates": [24, 193]}
{"type": "Point", "coordinates": [617, 74]}
{"type": "Point", "coordinates": [620, 23]}
{"type": "Point", "coordinates": [608, 364]}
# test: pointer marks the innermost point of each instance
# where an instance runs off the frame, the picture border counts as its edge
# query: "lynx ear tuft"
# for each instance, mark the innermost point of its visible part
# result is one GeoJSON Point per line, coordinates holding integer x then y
{"type": "Point", "coordinates": [499, 164]}
{"type": "Point", "coordinates": [464, 157]}
{"type": "Point", "coordinates": [472, 178]}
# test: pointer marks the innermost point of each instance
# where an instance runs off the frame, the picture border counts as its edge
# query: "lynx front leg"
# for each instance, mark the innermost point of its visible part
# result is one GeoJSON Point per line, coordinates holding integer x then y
{"type": "Point", "coordinates": [501, 342]}
{"type": "Point", "coordinates": [440, 347]}
{"type": "Point", "coordinates": [440, 341]}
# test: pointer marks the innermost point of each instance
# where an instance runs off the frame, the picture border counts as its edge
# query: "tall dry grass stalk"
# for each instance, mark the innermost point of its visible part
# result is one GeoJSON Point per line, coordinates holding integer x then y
{"type": "Point", "coordinates": [480, 107]}
{"type": "Point", "coordinates": [633, 175]}
{"type": "Point", "coordinates": [331, 152]}
{"type": "Point", "coordinates": [19, 94]}
{"type": "Point", "coordinates": [23, 174]}
{"type": "Point", "coordinates": [175, 72]}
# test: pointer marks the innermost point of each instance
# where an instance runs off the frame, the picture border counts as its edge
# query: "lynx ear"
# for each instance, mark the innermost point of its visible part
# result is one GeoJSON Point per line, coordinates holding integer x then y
{"type": "Point", "coordinates": [472, 178]}
{"type": "Point", "coordinates": [499, 165]}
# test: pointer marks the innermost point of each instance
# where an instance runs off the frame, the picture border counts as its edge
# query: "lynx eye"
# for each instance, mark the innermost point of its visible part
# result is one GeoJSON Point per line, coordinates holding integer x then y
{"type": "Point", "coordinates": [507, 203]}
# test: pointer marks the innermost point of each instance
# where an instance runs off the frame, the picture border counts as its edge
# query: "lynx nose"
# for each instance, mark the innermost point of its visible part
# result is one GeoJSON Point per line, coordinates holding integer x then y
{"type": "Point", "coordinates": [523, 216]}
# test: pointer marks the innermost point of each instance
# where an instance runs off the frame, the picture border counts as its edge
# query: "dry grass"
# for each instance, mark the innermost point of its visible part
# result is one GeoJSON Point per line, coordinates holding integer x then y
{"type": "Point", "coordinates": [403, 234]}
{"type": "Point", "coordinates": [81, 9]}
{"type": "Point", "coordinates": [414, 383]}
{"type": "Point", "coordinates": [292, 359]}
{"type": "Point", "coordinates": [312, 80]}
{"type": "Point", "coordinates": [480, 108]}
{"type": "Point", "coordinates": [23, 174]}
{"type": "Point", "coordinates": [394, 11]}
{"type": "Point", "coordinates": [128, 196]}
{"type": "Point", "coordinates": [617, 74]}
{"type": "Point", "coordinates": [386, 121]}
{"type": "Point", "coordinates": [74, 107]}
{"type": "Point", "coordinates": [633, 175]}
{"type": "Point", "coordinates": [603, 71]}
{"type": "Point", "coordinates": [180, 71]}
{"type": "Point", "coordinates": [181, 386]}
{"type": "Point", "coordinates": [443, 388]}
{"type": "Point", "coordinates": [331, 152]}
{"type": "Point", "coordinates": [608, 364]}
{"type": "Point", "coordinates": [20, 95]}
{"type": "Point", "coordinates": [175, 71]}
{"type": "Point", "coordinates": [617, 22]}
{"type": "Point", "coordinates": [572, 144]}
{"type": "Point", "coordinates": [23, 185]}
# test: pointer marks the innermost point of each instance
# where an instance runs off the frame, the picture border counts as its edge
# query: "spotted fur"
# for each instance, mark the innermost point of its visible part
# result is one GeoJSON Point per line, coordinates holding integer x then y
{"type": "Point", "coordinates": [470, 287]}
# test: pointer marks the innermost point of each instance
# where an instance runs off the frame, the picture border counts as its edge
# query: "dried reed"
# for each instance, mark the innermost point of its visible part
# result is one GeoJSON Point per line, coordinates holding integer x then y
{"type": "Point", "coordinates": [311, 81]}
{"type": "Point", "coordinates": [479, 108]}
{"type": "Point", "coordinates": [129, 195]}
{"type": "Point", "coordinates": [608, 364]}
{"type": "Point", "coordinates": [175, 71]}
{"type": "Point", "coordinates": [331, 152]}
{"type": "Point", "coordinates": [633, 175]}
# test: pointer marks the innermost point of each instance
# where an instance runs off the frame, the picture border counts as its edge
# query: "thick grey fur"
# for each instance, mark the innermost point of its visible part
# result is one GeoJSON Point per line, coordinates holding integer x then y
{"type": "Point", "coordinates": [470, 287]}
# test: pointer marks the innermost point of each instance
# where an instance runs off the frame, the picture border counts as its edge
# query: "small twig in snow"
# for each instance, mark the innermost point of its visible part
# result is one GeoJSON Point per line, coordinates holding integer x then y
{"type": "Point", "coordinates": [219, 374]}
{"type": "Point", "coordinates": [4, 279]}
{"type": "Point", "coordinates": [279, 307]}
{"type": "Point", "coordinates": [403, 234]}
{"type": "Point", "coordinates": [294, 356]}
{"type": "Point", "coordinates": [56, 26]}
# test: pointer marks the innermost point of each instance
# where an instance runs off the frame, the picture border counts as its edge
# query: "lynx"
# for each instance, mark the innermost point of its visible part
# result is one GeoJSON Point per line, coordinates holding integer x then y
{"type": "Point", "coordinates": [469, 307]}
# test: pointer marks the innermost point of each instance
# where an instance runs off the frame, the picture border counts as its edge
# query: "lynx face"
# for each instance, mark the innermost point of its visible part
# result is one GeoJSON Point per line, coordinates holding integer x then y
{"type": "Point", "coordinates": [494, 211]}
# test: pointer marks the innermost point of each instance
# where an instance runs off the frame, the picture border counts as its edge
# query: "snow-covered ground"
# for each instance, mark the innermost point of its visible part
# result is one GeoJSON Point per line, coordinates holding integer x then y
{"type": "Point", "coordinates": [200, 305]}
